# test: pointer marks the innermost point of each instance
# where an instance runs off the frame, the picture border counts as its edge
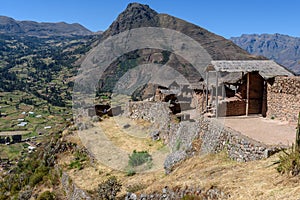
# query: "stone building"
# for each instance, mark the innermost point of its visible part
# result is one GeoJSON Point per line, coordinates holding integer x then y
{"type": "Point", "coordinates": [240, 87]}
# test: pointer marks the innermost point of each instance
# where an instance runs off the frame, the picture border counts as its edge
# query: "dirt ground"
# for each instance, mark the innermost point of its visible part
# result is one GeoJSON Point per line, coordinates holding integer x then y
{"type": "Point", "coordinates": [268, 131]}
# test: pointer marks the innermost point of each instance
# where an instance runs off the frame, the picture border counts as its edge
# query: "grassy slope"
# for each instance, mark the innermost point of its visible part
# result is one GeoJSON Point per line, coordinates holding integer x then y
{"type": "Point", "coordinates": [252, 180]}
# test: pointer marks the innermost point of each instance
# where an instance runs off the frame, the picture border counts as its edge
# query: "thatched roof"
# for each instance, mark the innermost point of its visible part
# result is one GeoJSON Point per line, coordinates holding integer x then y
{"type": "Point", "coordinates": [266, 68]}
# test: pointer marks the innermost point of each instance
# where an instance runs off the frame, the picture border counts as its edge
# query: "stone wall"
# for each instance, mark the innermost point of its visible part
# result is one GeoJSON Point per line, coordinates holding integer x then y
{"type": "Point", "coordinates": [157, 113]}
{"type": "Point", "coordinates": [232, 107]}
{"type": "Point", "coordinates": [216, 137]}
{"type": "Point", "coordinates": [205, 135]}
{"type": "Point", "coordinates": [283, 98]}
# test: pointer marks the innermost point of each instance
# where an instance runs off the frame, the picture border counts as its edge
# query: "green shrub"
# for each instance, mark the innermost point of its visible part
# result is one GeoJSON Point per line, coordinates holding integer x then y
{"type": "Point", "coordinates": [47, 195]}
{"type": "Point", "coordinates": [38, 175]}
{"type": "Point", "coordinates": [75, 164]}
{"type": "Point", "coordinates": [138, 158]}
{"type": "Point", "coordinates": [289, 163]}
{"type": "Point", "coordinates": [130, 172]}
{"type": "Point", "coordinates": [36, 178]}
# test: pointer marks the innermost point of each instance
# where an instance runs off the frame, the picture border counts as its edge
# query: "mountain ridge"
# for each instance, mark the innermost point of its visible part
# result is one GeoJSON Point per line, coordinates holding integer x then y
{"type": "Point", "coordinates": [284, 49]}
{"type": "Point", "coordinates": [11, 26]}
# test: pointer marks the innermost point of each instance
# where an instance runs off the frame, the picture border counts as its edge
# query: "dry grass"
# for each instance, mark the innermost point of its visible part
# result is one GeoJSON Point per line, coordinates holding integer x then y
{"type": "Point", "coordinates": [133, 138]}
{"type": "Point", "coordinates": [111, 143]}
{"type": "Point", "coordinates": [252, 180]}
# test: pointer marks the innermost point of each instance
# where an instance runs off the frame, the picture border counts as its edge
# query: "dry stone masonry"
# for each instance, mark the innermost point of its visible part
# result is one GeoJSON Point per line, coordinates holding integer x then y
{"type": "Point", "coordinates": [283, 99]}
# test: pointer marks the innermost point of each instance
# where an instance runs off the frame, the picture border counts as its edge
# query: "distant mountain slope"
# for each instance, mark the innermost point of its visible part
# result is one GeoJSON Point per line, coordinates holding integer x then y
{"type": "Point", "coordinates": [30, 28]}
{"type": "Point", "coordinates": [281, 48]}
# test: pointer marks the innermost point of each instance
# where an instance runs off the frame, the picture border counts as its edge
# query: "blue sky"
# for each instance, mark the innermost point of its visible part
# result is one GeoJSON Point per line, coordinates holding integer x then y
{"type": "Point", "coordinates": [224, 17]}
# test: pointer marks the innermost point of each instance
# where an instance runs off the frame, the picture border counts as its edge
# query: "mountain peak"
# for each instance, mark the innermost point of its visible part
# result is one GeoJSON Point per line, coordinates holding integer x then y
{"type": "Point", "coordinates": [136, 15]}
{"type": "Point", "coordinates": [137, 6]}
{"type": "Point", "coordinates": [139, 15]}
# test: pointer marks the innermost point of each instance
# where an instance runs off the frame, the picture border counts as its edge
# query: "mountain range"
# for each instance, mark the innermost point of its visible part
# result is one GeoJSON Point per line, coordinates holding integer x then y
{"type": "Point", "coordinates": [134, 16]}
{"type": "Point", "coordinates": [283, 49]}
{"type": "Point", "coordinates": [30, 28]}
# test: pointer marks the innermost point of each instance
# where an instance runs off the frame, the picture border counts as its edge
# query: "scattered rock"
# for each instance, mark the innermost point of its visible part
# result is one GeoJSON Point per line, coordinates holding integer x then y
{"type": "Point", "coordinates": [126, 126]}
{"type": "Point", "coordinates": [155, 135]}
{"type": "Point", "coordinates": [96, 119]}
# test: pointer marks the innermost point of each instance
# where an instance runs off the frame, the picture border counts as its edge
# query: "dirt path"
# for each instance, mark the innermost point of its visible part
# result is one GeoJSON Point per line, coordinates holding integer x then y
{"type": "Point", "coordinates": [268, 131]}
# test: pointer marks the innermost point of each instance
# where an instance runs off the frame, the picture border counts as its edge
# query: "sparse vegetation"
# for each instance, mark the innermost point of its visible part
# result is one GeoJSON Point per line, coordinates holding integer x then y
{"type": "Point", "coordinates": [79, 160]}
{"type": "Point", "coordinates": [134, 188]}
{"type": "Point", "coordinates": [46, 196]}
{"type": "Point", "coordinates": [138, 158]}
{"type": "Point", "coordinates": [178, 144]}
{"type": "Point", "coordinates": [130, 172]}
{"type": "Point", "coordinates": [289, 163]}
{"type": "Point", "coordinates": [191, 197]}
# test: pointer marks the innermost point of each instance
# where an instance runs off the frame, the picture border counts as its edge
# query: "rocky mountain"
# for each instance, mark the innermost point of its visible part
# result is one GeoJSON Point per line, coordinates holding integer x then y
{"type": "Point", "coordinates": [283, 49]}
{"type": "Point", "coordinates": [139, 15]}
{"type": "Point", "coordinates": [30, 28]}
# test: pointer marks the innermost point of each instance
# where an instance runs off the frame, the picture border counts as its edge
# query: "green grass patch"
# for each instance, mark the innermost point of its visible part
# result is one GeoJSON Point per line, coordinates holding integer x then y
{"type": "Point", "coordinates": [138, 158]}
{"type": "Point", "coordinates": [12, 151]}
{"type": "Point", "coordinates": [79, 160]}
